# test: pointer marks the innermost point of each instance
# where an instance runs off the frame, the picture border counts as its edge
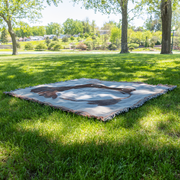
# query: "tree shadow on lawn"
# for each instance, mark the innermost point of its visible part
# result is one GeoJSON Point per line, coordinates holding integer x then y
{"type": "Point", "coordinates": [121, 149]}
{"type": "Point", "coordinates": [60, 68]}
{"type": "Point", "coordinates": [31, 154]}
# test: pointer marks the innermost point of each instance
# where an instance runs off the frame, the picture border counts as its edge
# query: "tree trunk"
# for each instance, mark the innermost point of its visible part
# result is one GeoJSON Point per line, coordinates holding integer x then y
{"type": "Point", "coordinates": [13, 37]}
{"type": "Point", "coordinates": [124, 46]}
{"type": "Point", "coordinates": [166, 16]}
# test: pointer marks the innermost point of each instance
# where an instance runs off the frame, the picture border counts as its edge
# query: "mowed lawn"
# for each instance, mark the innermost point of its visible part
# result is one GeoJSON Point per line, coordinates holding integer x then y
{"type": "Point", "coordinates": [39, 142]}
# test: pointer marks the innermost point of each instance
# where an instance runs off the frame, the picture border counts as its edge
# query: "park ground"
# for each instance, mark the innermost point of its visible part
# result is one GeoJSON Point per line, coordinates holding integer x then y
{"type": "Point", "coordinates": [39, 142]}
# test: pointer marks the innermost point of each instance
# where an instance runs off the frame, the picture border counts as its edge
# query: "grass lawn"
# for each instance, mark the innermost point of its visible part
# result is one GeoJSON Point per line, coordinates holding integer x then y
{"type": "Point", "coordinates": [39, 142]}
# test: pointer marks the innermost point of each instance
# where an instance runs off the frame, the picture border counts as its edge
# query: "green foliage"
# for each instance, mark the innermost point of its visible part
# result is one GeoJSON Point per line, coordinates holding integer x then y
{"type": "Point", "coordinates": [72, 27]}
{"type": "Point", "coordinates": [152, 44]}
{"type": "Point", "coordinates": [51, 45]}
{"type": "Point", "coordinates": [18, 45]}
{"type": "Point", "coordinates": [28, 46]}
{"type": "Point", "coordinates": [78, 39]}
{"type": "Point", "coordinates": [11, 11]}
{"type": "Point", "coordinates": [41, 142]}
{"type": "Point", "coordinates": [112, 47]}
{"type": "Point", "coordinates": [132, 46]}
{"type": "Point", "coordinates": [73, 46]}
{"type": "Point", "coordinates": [55, 38]}
{"type": "Point", "coordinates": [104, 46]}
{"type": "Point", "coordinates": [22, 29]}
{"type": "Point", "coordinates": [40, 47]}
{"type": "Point", "coordinates": [109, 26]}
{"type": "Point", "coordinates": [98, 34]}
{"type": "Point", "coordinates": [158, 42]}
{"type": "Point", "coordinates": [86, 26]}
{"type": "Point", "coordinates": [154, 24]}
{"type": "Point", "coordinates": [81, 35]}
{"type": "Point", "coordinates": [88, 39]}
{"type": "Point", "coordinates": [93, 37]}
{"type": "Point", "coordinates": [89, 45]}
{"type": "Point", "coordinates": [48, 41]}
{"type": "Point", "coordinates": [54, 28]}
{"type": "Point", "coordinates": [65, 39]}
{"type": "Point", "coordinates": [57, 47]}
{"type": "Point", "coordinates": [4, 36]}
{"type": "Point", "coordinates": [86, 35]}
{"type": "Point", "coordinates": [72, 38]}
{"type": "Point", "coordinates": [38, 30]}
{"type": "Point", "coordinates": [115, 34]}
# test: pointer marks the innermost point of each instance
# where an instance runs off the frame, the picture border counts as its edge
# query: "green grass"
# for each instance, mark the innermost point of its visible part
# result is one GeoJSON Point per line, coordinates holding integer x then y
{"type": "Point", "coordinates": [39, 142]}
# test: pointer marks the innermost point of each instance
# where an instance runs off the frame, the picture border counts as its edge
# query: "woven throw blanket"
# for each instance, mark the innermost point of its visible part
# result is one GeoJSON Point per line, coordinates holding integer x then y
{"type": "Point", "coordinates": [92, 97]}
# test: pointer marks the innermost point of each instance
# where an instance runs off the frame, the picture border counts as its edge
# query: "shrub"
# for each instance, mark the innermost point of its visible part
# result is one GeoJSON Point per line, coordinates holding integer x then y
{"type": "Point", "coordinates": [51, 45]}
{"type": "Point", "coordinates": [81, 35]}
{"type": "Point", "coordinates": [28, 46]}
{"type": "Point", "coordinates": [152, 44]}
{"type": "Point", "coordinates": [65, 39]}
{"type": "Point", "coordinates": [147, 42]}
{"type": "Point", "coordinates": [73, 46]}
{"type": "Point", "coordinates": [78, 39]}
{"type": "Point", "coordinates": [94, 43]}
{"type": "Point", "coordinates": [55, 38]}
{"type": "Point", "coordinates": [158, 42]}
{"type": "Point", "coordinates": [41, 47]}
{"type": "Point", "coordinates": [18, 45]}
{"type": "Point", "coordinates": [154, 39]}
{"type": "Point", "coordinates": [133, 45]}
{"type": "Point", "coordinates": [86, 35]}
{"type": "Point", "coordinates": [112, 47]}
{"type": "Point", "coordinates": [57, 47]}
{"type": "Point", "coordinates": [89, 45]}
{"type": "Point", "coordinates": [104, 46]}
{"type": "Point", "coordinates": [48, 41]}
{"type": "Point", "coordinates": [71, 38]}
{"type": "Point", "coordinates": [93, 37]}
{"type": "Point", "coordinates": [81, 46]}
{"type": "Point", "coordinates": [98, 34]}
{"type": "Point", "coordinates": [89, 39]}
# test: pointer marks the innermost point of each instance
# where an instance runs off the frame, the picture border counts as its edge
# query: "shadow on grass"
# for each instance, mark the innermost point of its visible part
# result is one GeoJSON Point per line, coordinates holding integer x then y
{"type": "Point", "coordinates": [38, 156]}
{"type": "Point", "coordinates": [113, 153]}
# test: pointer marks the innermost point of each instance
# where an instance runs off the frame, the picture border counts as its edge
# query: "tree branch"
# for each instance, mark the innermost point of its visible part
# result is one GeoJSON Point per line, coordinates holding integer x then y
{"type": "Point", "coordinates": [5, 19]}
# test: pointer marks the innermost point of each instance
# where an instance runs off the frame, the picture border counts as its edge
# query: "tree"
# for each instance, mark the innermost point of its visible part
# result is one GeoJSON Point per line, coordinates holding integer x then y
{"type": "Point", "coordinates": [112, 6]}
{"type": "Point", "coordinates": [165, 7]}
{"type": "Point", "coordinates": [108, 26]}
{"type": "Point", "coordinates": [153, 24]}
{"type": "Point", "coordinates": [166, 16]}
{"type": "Point", "coordinates": [72, 27]}
{"type": "Point", "coordinates": [124, 45]}
{"type": "Point", "coordinates": [176, 18]}
{"type": "Point", "coordinates": [115, 34]}
{"type": "Point", "coordinates": [23, 30]}
{"type": "Point", "coordinates": [11, 11]}
{"type": "Point", "coordinates": [4, 36]}
{"type": "Point", "coordinates": [48, 41]}
{"type": "Point", "coordinates": [93, 27]}
{"type": "Point", "coordinates": [86, 26]}
{"type": "Point", "coordinates": [41, 30]}
{"type": "Point", "coordinates": [54, 28]}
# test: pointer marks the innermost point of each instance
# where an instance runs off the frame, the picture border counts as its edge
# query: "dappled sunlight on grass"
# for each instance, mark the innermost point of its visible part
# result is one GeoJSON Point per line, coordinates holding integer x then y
{"type": "Point", "coordinates": [40, 142]}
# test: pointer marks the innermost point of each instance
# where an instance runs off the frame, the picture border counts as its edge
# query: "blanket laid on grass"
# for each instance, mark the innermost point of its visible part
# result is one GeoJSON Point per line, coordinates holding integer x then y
{"type": "Point", "coordinates": [92, 97]}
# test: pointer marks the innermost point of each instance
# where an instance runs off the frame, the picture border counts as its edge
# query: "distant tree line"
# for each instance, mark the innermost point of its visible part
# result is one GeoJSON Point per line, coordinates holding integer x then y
{"type": "Point", "coordinates": [11, 12]}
